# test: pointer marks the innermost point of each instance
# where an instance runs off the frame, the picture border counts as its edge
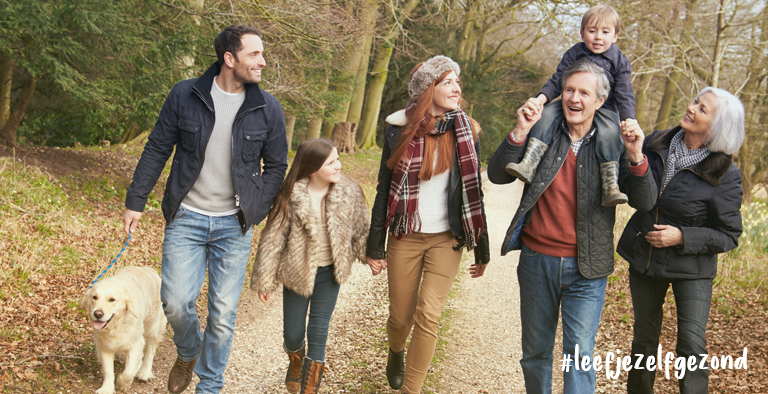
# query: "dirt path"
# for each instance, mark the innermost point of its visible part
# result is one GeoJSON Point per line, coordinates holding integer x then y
{"type": "Point", "coordinates": [484, 353]}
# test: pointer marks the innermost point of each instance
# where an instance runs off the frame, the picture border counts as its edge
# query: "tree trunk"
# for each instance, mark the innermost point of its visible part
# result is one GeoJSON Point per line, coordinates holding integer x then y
{"type": "Point", "coordinates": [670, 88]}
{"type": "Point", "coordinates": [641, 96]}
{"type": "Point", "coordinates": [356, 104]}
{"type": "Point", "coordinates": [717, 57]}
{"type": "Point", "coordinates": [367, 125]}
{"type": "Point", "coordinates": [130, 133]}
{"type": "Point", "coordinates": [344, 137]}
{"type": "Point", "coordinates": [290, 123]}
{"type": "Point", "coordinates": [373, 96]}
{"type": "Point", "coordinates": [348, 75]}
{"type": "Point", "coordinates": [8, 134]}
{"type": "Point", "coordinates": [6, 80]}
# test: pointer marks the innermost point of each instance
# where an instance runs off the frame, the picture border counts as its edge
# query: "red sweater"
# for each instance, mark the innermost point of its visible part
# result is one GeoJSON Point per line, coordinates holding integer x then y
{"type": "Point", "coordinates": [552, 229]}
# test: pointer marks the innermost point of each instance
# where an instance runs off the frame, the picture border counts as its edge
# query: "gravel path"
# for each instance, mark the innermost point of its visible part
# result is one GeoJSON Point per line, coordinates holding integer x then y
{"type": "Point", "coordinates": [484, 351]}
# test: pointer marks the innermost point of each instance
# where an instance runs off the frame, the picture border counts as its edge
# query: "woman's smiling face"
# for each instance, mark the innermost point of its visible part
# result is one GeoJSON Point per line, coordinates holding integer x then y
{"type": "Point", "coordinates": [447, 94]}
{"type": "Point", "coordinates": [700, 113]}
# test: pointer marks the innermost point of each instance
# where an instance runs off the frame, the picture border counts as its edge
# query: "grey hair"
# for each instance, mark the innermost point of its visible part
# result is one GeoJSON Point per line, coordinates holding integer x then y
{"type": "Point", "coordinates": [726, 132]}
{"type": "Point", "coordinates": [584, 65]}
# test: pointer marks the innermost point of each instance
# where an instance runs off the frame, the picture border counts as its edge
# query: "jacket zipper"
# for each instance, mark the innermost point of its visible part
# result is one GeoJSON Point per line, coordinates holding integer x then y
{"type": "Point", "coordinates": [664, 164]}
{"type": "Point", "coordinates": [201, 168]}
{"type": "Point", "coordinates": [244, 225]}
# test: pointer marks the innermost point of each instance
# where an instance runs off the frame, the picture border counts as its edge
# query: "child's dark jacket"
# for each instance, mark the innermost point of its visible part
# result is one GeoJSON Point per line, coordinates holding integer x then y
{"type": "Point", "coordinates": [621, 99]}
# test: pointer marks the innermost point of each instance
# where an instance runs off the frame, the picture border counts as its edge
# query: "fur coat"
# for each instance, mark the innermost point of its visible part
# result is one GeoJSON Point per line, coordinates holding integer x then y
{"type": "Point", "coordinates": [290, 255]}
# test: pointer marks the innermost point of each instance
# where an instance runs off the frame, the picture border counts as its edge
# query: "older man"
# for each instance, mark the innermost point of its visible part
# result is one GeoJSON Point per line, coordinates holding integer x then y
{"type": "Point", "coordinates": [566, 236]}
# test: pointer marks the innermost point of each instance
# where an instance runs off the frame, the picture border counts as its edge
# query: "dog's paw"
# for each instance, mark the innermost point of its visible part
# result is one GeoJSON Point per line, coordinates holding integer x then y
{"type": "Point", "coordinates": [145, 376]}
{"type": "Point", "coordinates": [106, 390]}
{"type": "Point", "coordinates": [123, 382]}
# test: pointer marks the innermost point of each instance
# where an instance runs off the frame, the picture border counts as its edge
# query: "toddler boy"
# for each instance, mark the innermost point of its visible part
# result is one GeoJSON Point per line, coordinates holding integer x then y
{"type": "Point", "coordinates": [599, 30]}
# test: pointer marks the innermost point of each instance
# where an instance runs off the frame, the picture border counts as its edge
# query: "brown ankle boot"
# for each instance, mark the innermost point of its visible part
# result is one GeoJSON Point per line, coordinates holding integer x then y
{"type": "Point", "coordinates": [293, 376]}
{"type": "Point", "coordinates": [526, 169]}
{"type": "Point", "coordinates": [609, 174]}
{"type": "Point", "coordinates": [181, 375]}
{"type": "Point", "coordinates": [311, 375]}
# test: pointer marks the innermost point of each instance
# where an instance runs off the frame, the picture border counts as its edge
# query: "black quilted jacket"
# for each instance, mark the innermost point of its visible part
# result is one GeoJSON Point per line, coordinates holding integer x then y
{"type": "Point", "coordinates": [594, 233]}
{"type": "Point", "coordinates": [702, 201]}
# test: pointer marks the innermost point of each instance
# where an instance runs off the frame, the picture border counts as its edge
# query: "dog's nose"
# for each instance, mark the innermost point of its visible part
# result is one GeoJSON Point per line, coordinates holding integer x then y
{"type": "Point", "coordinates": [98, 314]}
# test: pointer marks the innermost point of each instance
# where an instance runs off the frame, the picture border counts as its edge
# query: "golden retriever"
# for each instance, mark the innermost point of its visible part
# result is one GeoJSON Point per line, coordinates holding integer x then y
{"type": "Point", "coordinates": [127, 314]}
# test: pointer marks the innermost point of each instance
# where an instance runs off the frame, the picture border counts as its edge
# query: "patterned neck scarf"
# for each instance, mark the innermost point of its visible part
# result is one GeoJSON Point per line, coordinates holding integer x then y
{"type": "Point", "coordinates": [403, 202]}
{"type": "Point", "coordinates": [681, 157]}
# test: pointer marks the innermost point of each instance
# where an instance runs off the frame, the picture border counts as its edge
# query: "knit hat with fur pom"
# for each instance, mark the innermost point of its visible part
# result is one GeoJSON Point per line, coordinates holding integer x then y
{"type": "Point", "coordinates": [431, 70]}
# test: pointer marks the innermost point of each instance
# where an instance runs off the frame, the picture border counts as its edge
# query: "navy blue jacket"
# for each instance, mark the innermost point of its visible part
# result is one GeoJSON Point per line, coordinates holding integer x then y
{"type": "Point", "coordinates": [621, 99]}
{"type": "Point", "coordinates": [186, 122]}
{"type": "Point", "coordinates": [702, 201]}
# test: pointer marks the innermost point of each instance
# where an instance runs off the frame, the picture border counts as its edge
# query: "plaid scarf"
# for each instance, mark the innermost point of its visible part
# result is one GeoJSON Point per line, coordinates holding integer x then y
{"type": "Point", "coordinates": [681, 157]}
{"type": "Point", "coordinates": [402, 214]}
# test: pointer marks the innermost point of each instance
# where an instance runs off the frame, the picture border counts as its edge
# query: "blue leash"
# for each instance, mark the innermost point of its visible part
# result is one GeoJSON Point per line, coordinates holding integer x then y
{"type": "Point", "coordinates": [112, 263]}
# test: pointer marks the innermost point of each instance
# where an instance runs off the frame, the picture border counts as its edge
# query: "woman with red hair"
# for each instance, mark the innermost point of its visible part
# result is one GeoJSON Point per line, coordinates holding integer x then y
{"type": "Point", "coordinates": [430, 201]}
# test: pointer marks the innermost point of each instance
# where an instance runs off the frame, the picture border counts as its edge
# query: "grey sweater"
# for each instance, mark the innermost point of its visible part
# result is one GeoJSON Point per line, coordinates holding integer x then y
{"type": "Point", "coordinates": [214, 189]}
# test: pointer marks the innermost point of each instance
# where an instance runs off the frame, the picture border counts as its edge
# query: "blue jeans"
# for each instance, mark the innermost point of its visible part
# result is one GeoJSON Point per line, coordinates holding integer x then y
{"type": "Point", "coordinates": [192, 244]}
{"type": "Point", "coordinates": [693, 298]}
{"type": "Point", "coordinates": [608, 138]}
{"type": "Point", "coordinates": [320, 305]}
{"type": "Point", "coordinates": [548, 285]}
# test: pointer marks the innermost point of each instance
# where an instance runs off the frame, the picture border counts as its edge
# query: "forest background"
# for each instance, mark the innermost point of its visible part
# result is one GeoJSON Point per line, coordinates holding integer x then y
{"type": "Point", "coordinates": [93, 72]}
{"type": "Point", "coordinates": [85, 71]}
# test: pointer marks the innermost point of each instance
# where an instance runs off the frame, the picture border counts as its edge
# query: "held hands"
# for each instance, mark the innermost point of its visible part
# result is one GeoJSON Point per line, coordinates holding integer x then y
{"type": "Point", "coordinates": [633, 137]}
{"type": "Point", "coordinates": [665, 236]}
{"type": "Point", "coordinates": [527, 116]}
{"type": "Point", "coordinates": [377, 265]}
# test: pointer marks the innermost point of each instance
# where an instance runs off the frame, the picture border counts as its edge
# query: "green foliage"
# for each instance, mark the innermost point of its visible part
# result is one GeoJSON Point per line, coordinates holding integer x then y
{"type": "Point", "coordinates": [100, 64]}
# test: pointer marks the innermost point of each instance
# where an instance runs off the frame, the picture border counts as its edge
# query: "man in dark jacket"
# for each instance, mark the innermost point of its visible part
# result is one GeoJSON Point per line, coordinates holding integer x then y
{"type": "Point", "coordinates": [222, 125]}
{"type": "Point", "coordinates": [566, 236]}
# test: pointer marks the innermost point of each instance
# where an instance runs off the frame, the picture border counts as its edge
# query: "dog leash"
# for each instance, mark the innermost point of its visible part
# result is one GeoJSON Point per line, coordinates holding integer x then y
{"type": "Point", "coordinates": [112, 263]}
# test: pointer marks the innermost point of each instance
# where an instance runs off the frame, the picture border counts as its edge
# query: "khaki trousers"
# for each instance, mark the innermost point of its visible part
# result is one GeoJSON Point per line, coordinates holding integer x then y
{"type": "Point", "coordinates": [430, 261]}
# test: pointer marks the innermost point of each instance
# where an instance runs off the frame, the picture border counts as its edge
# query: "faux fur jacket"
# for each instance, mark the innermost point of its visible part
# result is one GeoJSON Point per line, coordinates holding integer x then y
{"type": "Point", "coordinates": [290, 255]}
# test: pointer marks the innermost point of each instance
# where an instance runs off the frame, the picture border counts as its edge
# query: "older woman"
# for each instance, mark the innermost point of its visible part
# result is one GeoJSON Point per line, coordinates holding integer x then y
{"type": "Point", "coordinates": [430, 201]}
{"type": "Point", "coordinates": [696, 217]}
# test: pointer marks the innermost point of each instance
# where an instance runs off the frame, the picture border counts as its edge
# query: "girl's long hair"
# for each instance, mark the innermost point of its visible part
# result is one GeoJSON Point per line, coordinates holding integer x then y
{"type": "Point", "coordinates": [444, 142]}
{"type": "Point", "coordinates": [310, 157]}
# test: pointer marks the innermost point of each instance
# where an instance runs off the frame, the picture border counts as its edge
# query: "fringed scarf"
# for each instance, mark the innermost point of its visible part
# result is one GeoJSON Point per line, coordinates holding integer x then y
{"type": "Point", "coordinates": [403, 202]}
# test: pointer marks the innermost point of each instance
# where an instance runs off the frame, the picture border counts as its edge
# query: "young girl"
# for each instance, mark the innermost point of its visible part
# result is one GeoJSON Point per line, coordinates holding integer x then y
{"type": "Point", "coordinates": [430, 201]}
{"type": "Point", "coordinates": [316, 230]}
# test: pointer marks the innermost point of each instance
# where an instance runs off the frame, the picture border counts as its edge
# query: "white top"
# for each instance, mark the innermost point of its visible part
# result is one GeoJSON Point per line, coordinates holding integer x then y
{"type": "Point", "coordinates": [433, 202]}
{"type": "Point", "coordinates": [324, 254]}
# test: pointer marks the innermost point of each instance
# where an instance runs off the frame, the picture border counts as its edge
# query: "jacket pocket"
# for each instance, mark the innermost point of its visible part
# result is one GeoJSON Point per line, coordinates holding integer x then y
{"type": "Point", "coordinates": [253, 139]}
{"type": "Point", "coordinates": [189, 133]}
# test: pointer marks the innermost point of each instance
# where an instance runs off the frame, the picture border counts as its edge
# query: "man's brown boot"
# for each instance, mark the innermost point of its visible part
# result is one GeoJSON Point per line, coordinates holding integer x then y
{"type": "Point", "coordinates": [293, 376]}
{"type": "Point", "coordinates": [181, 375]}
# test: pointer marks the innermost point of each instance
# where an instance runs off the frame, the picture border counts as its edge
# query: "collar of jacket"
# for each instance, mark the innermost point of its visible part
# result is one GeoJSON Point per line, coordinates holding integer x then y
{"type": "Point", "coordinates": [301, 203]}
{"type": "Point", "coordinates": [253, 96]}
{"type": "Point", "coordinates": [712, 169]}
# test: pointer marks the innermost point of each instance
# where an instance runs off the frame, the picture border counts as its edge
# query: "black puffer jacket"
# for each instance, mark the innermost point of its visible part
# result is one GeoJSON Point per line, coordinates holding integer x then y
{"type": "Point", "coordinates": [594, 232]}
{"type": "Point", "coordinates": [378, 234]}
{"type": "Point", "coordinates": [703, 202]}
